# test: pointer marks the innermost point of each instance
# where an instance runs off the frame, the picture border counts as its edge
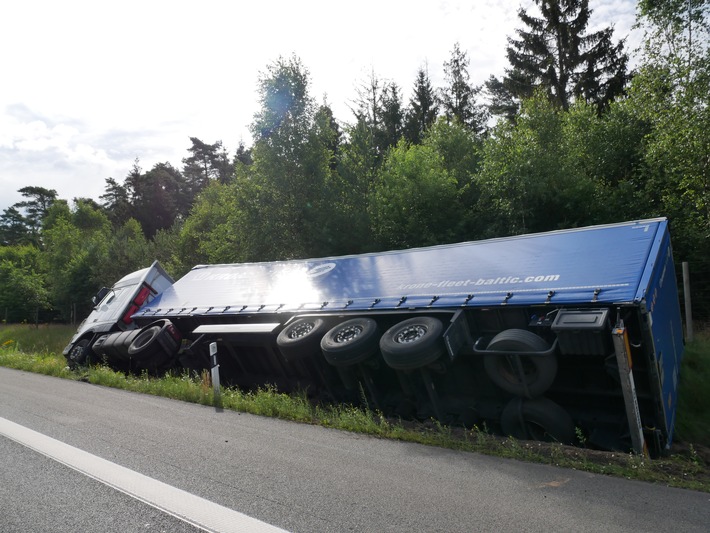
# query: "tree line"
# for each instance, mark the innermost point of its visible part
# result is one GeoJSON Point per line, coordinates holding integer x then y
{"type": "Point", "coordinates": [567, 137]}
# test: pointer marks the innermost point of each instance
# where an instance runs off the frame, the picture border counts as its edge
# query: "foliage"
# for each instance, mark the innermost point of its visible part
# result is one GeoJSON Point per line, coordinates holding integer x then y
{"type": "Point", "coordinates": [21, 223]}
{"type": "Point", "coordinates": [533, 174]}
{"type": "Point", "coordinates": [23, 292]}
{"type": "Point", "coordinates": [211, 234]}
{"type": "Point", "coordinates": [671, 94]}
{"type": "Point", "coordinates": [206, 163]}
{"type": "Point", "coordinates": [412, 198]}
{"type": "Point", "coordinates": [287, 198]}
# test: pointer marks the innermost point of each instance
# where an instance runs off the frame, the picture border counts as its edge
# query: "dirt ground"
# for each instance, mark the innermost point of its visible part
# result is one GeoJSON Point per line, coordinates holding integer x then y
{"type": "Point", "coordinates": [686, 465]}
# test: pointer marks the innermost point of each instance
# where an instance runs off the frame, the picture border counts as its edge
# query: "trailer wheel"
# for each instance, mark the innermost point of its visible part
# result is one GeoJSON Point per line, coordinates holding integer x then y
{"type": "Point", "coordinates": [413, 343]}
{"type": "Point", "coordinates": [539, 371]}
{"type": "Point", "coordinates": [79, 354]}
{"type": "Point", "coordinates": [351, 342]}
{"type": "Point", "coordinates": [539, 419]}
{"type": "Point", "coordinates": [301, 338]}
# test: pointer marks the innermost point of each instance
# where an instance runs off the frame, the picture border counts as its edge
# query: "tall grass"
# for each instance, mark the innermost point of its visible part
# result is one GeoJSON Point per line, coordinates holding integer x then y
{"type": "Point", "coordinates": [35, 349]}
{"type": "Point", "coordinates": [45, 338]}
{"type": "Point", "coordinates": [693, 424]}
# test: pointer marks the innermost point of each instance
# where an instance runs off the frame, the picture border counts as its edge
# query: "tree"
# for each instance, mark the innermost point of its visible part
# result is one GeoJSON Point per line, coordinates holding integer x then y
{"type": "Point", "coordinates": [392, 117]}
{"type": "Point", "coordinates": [554, 53]}
{"type": "Point", "coordinates": [116, 202]}
{"type": "Point", "coordinates": [17, 227]}
{"type": "Point", "coordinates": [460, 150]}
{"type": "Point", "coordinates": [284, 101]}
{"type": "Point", "coordinates": [13, 227]}
{"type": "Point", "coordinates": [76, 246]}
{"type": "Point", "coordinates": [412, 200]}
{"type": "Point", "coordinates": [671, 93]}
{"type": "Point", "coordinates": [501, 101]}
{"type": "Point", "coordinates": [458, 98]}
{"type": "Point", "coordinates": [243, 155]}
{"type": "Point", "coordinates": [379, 110]}
{"type": "Point", "coordinates": [207, 162]}
{"type": "Point", "coordinates": [423, 109]}
{"type": "Point", "coordinates": [158, 197]}
{"type": "Point", "coordinates": [23, 291]}
{"type": "Point", "coordinates": [287, 196]}
{"type": "Point", "coordinates": [212, 232]}
{"type": "Point", "coordinates": [532, 178]}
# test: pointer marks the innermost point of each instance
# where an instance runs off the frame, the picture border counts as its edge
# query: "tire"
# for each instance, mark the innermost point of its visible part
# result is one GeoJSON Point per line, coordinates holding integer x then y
{"type": "Point", "coordinates": [79, 355]}
{"type": "Point", "coordinates": [301, 338]}
{"type": "Point", "coordinates": [413, 343]}
{"type": "Point", "coordinates": [145, 344]}
{"type": "Point", "coordinates": [351, 342]}
{"type": "Point", "coordinates": [539, 371]}
{"type": "Point", "coordinates": [539, 419]}
{"type": "Point", "coordinates": [155, 344]}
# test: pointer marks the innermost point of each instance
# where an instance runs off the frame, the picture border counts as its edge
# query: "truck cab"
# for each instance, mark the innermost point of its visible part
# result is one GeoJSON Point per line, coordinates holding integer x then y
{"type": "Point", "coordinates": [113, 310]}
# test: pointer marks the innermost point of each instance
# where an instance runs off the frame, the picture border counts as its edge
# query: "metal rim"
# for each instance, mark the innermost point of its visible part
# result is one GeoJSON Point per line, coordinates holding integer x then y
{"type": "Point", "coordinates": [348, 333]}
{"type": "Point", "coordinates": [301, 330]}
{"type": "Point", "coordinates": [410, 334]}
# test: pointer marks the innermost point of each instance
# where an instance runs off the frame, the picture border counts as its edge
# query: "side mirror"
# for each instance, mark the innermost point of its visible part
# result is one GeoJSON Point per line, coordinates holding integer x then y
{"type": "Point", "coordinates": [100, 295]}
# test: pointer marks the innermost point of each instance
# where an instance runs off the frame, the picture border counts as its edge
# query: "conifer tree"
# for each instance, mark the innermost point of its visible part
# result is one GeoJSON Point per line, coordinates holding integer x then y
{"type": "Point", "coordinates": [458, 98]}
{"type": "Point", "coordinates": [423, 109]}
{"type": "Point", "coordinates": [554, 53]}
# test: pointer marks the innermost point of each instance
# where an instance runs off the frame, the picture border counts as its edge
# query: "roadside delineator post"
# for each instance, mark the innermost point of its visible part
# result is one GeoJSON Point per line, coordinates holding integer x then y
{"type": "Point", "coordinates": [214, 370]}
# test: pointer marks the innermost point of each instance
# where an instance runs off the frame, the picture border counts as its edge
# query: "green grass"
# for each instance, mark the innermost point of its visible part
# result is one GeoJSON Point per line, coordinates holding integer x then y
{"type": "Point", "coordinates": [693, 424]}
{"type": "Point", "coordinates": [39, 350]}
{"type": "Point", "coordinates": [29, 338]}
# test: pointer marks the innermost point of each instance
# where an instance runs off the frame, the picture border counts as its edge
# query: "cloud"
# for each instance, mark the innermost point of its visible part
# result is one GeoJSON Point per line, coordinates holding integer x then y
{"type": "Point", "coordinates": [64, 155]}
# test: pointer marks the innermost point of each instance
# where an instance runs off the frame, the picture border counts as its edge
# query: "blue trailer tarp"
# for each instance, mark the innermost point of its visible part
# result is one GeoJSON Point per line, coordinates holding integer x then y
{"type": "Point", "coordinates": [610, 264]}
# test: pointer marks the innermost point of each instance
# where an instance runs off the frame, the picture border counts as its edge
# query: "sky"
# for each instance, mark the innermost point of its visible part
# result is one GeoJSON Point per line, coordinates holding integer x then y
{"type": "Point", "coordinates": [87, 87]}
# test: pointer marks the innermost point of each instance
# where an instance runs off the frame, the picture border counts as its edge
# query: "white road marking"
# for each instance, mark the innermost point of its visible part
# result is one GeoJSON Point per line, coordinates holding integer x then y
{"type": "Point", "coordinates": [197, 511]}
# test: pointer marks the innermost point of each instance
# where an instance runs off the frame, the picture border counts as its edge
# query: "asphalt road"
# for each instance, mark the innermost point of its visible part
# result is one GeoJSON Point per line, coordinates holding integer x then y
{"type": "Point", "coordinates": [296, 477]}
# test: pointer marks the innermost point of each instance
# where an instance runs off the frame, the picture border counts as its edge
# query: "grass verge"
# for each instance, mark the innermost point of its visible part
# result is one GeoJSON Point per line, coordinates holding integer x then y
{"type": "Point", "coordinates": [36, 350]}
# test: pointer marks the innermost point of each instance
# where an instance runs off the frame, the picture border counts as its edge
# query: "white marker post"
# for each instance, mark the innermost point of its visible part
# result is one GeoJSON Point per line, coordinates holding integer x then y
{"type": "Point", "coordinates": [215, 375]}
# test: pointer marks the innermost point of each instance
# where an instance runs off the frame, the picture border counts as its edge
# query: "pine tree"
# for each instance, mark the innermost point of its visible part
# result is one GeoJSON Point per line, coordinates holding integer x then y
{"type": "Point", "coordinates": [379, 110]}
{"type": "Point", "coordinates": [423, 109]}
{"type": "Point", "coordinates": [206, 162]}
{"type": "Point", "coordinates": [392, 116]}
{"type": "Point", "coordinates": [459, 97]}
{"type": "Point", "coordinates": [554, 53]}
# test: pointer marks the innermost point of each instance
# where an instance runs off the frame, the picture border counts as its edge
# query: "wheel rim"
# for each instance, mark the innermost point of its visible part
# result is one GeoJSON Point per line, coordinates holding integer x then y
{"type": "Point", "coordinates": [410, 334]}
{"type": "Point", "coordinates": [301, 330]}
{"type": "Point", "coordinates": [348, 333]}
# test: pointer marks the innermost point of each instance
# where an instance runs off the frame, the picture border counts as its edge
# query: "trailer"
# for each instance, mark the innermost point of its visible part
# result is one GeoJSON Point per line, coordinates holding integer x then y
{"type": "Point", "coordinates": [572, 336]}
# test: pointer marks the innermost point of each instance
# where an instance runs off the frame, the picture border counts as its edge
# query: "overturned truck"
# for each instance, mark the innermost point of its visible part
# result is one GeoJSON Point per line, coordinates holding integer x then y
{"type": "Point", "coordinates": [572, 336]}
